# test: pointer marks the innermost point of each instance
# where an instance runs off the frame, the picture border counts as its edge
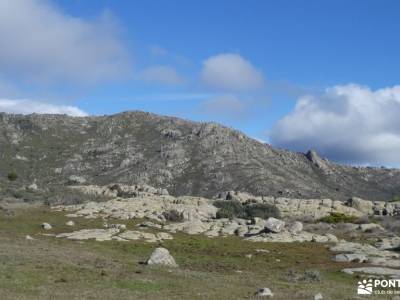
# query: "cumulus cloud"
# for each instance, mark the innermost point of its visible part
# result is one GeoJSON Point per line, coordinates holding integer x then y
{"type": "Point", "coordinates": [347, 123]}
{"type": "Point", "coordinates": [24, 106]}
{"type": "Point", "coordinates": [161, 74]}
{"type": "Point", "coordinates": [226, 106]}
{"type": "Point", "coordinates": [41, 43]}
{"type": "Point", "coordinates": [230, 72]}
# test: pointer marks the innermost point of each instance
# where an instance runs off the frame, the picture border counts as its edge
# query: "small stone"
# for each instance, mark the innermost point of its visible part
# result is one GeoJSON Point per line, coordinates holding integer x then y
{"type": "Point", "coordinates": [318, 297]}
{"type": "Point", "coordinates": [264, 292]}
{"type": "Point", "coordinates": [262, 250]}
{"type": "Point", "coordinates": [295, 227]}
{"type": "Point", "coordinates": [70, 223]}
{"type": "Point", "coordinates": [249, 256]}
{"type": "Point", "coordinates": [46, 226]}
{"type": "Point", "coordinates": [33, 187]}
{"type": "Point", "coordinates": [29, 238]}
{"type": "Point", "coordinates": [161, 256]}
{"type": "Point", "coordinates": [74, 179]}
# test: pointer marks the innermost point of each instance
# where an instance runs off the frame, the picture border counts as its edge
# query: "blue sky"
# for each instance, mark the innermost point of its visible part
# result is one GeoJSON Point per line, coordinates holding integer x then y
{"type": "Point", "coordinates": [246, 64]}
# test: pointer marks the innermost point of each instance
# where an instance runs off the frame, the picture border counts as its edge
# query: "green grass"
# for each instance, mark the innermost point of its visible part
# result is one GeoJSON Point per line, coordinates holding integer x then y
{"type": "Point", "coordinates": [52, 268]}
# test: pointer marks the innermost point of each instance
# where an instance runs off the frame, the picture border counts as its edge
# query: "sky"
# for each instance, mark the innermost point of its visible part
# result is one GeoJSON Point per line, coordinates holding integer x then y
{"type": "Point", "coordinates": [296, 74]}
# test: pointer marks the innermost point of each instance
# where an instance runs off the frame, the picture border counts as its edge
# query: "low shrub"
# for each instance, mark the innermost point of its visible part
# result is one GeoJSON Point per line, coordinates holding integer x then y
{"type": "Point", "coordinates": [229, 209]}
{"type": "Point", "coordinates": [261, 210]}
{"type": "Point", "coordinates": [173, 216]}
{"type": "Point", "coordinates": [12, 176]}
{"type": "Point", "coordinates": [234, 209]}
{"type": "Point", "coordinates": [334, 218]}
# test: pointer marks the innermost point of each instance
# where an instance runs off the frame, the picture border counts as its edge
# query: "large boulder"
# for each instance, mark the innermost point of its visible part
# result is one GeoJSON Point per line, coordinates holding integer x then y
{"type": "Point", "coordinates": [161, 256]}
{"type": "Point", "coordinates": [274, 225]}
{"type": "Point", "coordinates": [364, 206]}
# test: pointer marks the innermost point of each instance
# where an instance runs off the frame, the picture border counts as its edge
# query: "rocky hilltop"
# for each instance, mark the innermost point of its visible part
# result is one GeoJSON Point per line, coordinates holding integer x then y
{"type": "Point", "coordinates": [184, 157]}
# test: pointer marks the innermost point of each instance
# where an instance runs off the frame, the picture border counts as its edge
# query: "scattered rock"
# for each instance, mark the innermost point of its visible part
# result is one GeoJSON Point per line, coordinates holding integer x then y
{"type": "Point", "coordinates": [70, 223]}
{"type": "Point", "coordinates": [161, 256]}
{"type": "Point", "coordinates": [295, 227]}
{"type": "Point", "coordinates": [274, 225]}
{"type": "Point", "coordinates": [318, 297]}
{"type": "Point", "coordinates": [351, 257]}
{"type": "Point", "coordinates": [370, 227]}
{"type": "Point", "coordinates": [32, 187]}
{"type": "Point", "coordinates": [74, 179]}
{"type": "Point", "coordinates": [164, 236]}
{"type": "Point", "coordinates": [149, 224]}
{"type": "Point", "coordinates": [388, 243]}
{"type": "Point", "coordinates": [306, 276]}
{"type": "Point", "coordinates": [262, 250]}
{"type": "Point", "coordinates": [120, 227]}
{"type": "Point", "coordinates": [46, 226]}
{"type": "Point", "coordinates": [264, 292]}
{"type": "Point", "coordinates": [374, 271]}
{"type": "Point", "coordinates": [29, 238]}
{"type": "Point", "coordinates": [86, 234]}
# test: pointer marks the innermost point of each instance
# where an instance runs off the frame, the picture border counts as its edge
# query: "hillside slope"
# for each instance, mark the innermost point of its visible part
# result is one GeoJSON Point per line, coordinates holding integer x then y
{"type": "Point", "coordinates": [184, 157]}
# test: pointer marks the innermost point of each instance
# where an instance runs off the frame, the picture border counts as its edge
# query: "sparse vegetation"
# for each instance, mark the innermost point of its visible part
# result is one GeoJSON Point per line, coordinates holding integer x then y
{"type": "Point", "coordinates": [395, 199]}
{"type": "Point", "coordinates": [12, 176]}
{"type": "Point", "coordinates": [68, 196]}
{"type": "Point", "coordinates": [334, 218]}
{"type": "Point", "coordinates": [229, 209]}
{"type": "Point", "coordinates": [261, 210]}
{"type": "Point", "coordinates": [234, 209]}
{"type": "Point", "coordinates": [173, 216]}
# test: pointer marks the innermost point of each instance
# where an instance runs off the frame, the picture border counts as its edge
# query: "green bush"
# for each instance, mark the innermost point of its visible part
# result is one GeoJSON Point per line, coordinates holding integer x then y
{"type": "Point", "coordinates": [338, 218]}
{"type": "Point", "coordinates": [12, 176]}
{"type": "Point", "coordinates": [234, 209]}
{"type": "Point", "coordinates": [261, 210]}
{"type": "Point", "coordinates": [229, 209]}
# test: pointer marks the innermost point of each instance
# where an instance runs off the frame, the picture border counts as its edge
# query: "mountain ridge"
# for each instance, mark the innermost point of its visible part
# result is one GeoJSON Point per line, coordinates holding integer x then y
{"type": "Point", "coordinates": [185, 157]}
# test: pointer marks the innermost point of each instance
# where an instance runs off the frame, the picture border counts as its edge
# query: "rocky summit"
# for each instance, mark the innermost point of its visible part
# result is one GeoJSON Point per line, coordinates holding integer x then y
{"type": "Point", "coordinates": [183, 157]}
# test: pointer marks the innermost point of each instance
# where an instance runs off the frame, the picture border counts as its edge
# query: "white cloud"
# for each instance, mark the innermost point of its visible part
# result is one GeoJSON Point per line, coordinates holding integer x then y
{"type": "Point", "coordinates": [231, 72]}
{"type": "Point", "coordinates": [349, 123]}
{"type": "Point", "coordinates": [161, 74]}
{"type": "Point", "coordinates": [41, 43]}
{"type": "Point", "coordinates": [226, 106]}
{"type": "Point", "coordinates": [24, 106]}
